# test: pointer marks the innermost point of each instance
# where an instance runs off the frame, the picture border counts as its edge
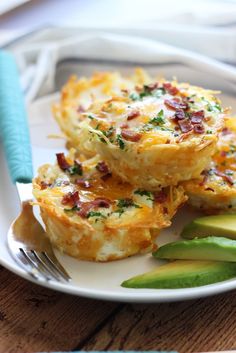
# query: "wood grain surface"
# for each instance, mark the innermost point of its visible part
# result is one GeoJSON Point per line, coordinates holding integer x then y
{"type": "Point", "coordinates": [34, 319]}
{"type": "Point", "coordinates": [191, 326]}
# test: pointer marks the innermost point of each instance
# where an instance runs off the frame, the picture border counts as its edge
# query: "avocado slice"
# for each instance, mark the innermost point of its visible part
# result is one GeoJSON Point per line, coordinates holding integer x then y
{"type": "Point", "coordinates": [183, 274]}
{"type": "Point", "coordinates": [220, 226]}
{"type": "Point", "coordinates": [210, 248]}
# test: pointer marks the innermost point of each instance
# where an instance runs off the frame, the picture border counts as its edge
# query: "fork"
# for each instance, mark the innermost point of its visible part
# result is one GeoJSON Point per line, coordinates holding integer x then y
{"type": "Point", "coordinates": [27, 240]}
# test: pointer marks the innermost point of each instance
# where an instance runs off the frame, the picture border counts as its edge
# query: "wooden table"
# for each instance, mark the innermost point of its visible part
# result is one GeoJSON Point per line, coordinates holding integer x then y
{"type": "Point", "coordinates": [34, 319]}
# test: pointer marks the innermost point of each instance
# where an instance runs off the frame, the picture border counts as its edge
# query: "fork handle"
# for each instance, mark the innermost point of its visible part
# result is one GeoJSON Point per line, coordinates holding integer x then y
{"type": "Point", "coordinates": [14, 129]}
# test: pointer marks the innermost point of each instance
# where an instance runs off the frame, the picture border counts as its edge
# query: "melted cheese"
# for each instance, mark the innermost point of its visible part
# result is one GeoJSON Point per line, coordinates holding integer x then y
{"type": "Point", "coordinates": [115, 231]}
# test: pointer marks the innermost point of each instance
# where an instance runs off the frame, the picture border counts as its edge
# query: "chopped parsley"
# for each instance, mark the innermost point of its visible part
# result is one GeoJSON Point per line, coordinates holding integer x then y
{"type": "Point", "coordinates": [156, 123]}
{"type": "Point", "coordinates": [209, 131]}
{"type": "Point", "coordinates": [229, 172]}
{"type": "Point", "coordinates": [147, 92]}
{"type": "Point", "coordinates": [159, 119]}
{"type": "Point", "coordinates": [120, 142]}
{"type": "Point", "coordinates": [119, 211]}
{"type": "Point", "coordinates": [109, 132]}
{"type": "Point", "coordinates": [95, 214]}
{"type": "Point", "coordinates": [97, 126]}
{"type": "Point", "coordinates": [125, 203]}
{"type": "Point", "coordinates": [214, 107]}
{"type": "Point", "coordinates": [146, 193]}
{"type": "Point", "coordinates": [104, 133]}
{"type": "Point", "coordinates": [148, 127]}
{"type": "Point", "coordinates": [75, 169]}
{"type": "Point", "coordinates": [211, 107]}
{"type": "Point", "coordinates": [91, 117]}
{"type": "Point", "coordinates": [102, 139]}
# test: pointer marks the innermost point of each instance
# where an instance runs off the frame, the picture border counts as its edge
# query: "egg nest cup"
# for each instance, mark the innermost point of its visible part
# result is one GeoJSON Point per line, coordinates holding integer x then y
{"type": "Point", "coordinates": [156, 135]}
{"type": "Point", "coordinates": [92, 215]}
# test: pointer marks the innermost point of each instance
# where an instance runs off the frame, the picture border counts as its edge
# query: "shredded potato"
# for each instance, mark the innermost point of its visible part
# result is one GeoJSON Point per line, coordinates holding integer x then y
{"type": "Point", "coordinates": [125, 222]}
{"type": "Point", "coordinates": [215, 191]}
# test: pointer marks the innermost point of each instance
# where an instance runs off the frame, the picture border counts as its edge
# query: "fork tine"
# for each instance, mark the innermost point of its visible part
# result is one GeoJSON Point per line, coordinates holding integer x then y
{"type": "Point", "coordinates": [55, 267]}
{"type": "Point", "coordinates": [44, 265]}
{"type": "Point", "coordinates": [23, 261]}
{"type": "Point", "coordinates": [32, 268]}
{"type": "Point", "coordinates": [37, 264]}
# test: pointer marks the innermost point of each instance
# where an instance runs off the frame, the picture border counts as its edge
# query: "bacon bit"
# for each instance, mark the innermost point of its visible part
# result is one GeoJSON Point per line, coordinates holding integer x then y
{"type": "Point", "coordinates": [83, 183]}
{"type": "Point", "coordinates": [152, 86]}
{"type": "Point", "coordinates": [175, 104]}
{"type": "Point", "coordinates": [106, 176]}
{"type": "Point", "coordinates": [85, 207]}
{"type": "Point", "coordinates": [196, 120]}
{"type": "Point", "coordinates": [170, 89]}
{"type": "Point", "coordinates": [185, 125]}
{"type": "Point", "coordinates": [167, 141]}
{"type": "Point", "coordinates": [199, 113]}
{"type": "Point", "coordinates": [131, 135]}
{"type": "Point", "coordinates": [132, 115]}
{"type": "Point", "coordinates": [179, 114]}
{"type": "Point", "coordinates": [124, 90]}
{"type": "Point", "coordinates": [198, 128]}
{"type": "Point", "coordinates": [209, 189]}
{"type": "Point", "coordinates": [62, 162]}
{"type": "Point", "coordinates": [44, 185]}
{"type": "Point", "coordinates": [124, 126]}
{"type": "Point", "coordinates": [165, 210]}
{"type": "Point", "coordinates": [196, 117]}
{"type": "Point", "coordinates": [225, 131]}
{"type": "Point", "coordinates": [71, 198]}
{"type": "Point", "coordinates": [204, 180]}
{"type": "Point", "coordinates": [223, 153]}
{"type": "Point", "coordinates": [101, 202]}
{"type": "Point", "coordinates": [225, 177]}
{"type": "Point", "coordinates": [102, 167]}
{"type": "Point", "coordinates": [160, 196]}
{"type": "Point", "coordinates": [205, 174]}
{"type": "Point", "coordinates": [65, 182]}
{"type": "Point", "coordinates": [80, 109]}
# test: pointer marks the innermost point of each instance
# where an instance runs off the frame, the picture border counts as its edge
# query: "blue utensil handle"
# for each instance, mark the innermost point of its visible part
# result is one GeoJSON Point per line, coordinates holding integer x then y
{"type": "Point", "coordinates": [14, 129]}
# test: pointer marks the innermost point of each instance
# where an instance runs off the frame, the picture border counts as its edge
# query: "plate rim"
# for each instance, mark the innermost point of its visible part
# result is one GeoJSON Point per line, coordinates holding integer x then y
{"type": "Point", "coordinates": [132, 295]}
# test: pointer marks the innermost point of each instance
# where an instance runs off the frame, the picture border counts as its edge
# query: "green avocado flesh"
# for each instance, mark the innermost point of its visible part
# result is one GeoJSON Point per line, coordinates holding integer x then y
{"type": "Point", "coordinates": [220, 226]}
{"type": "Point", "coordinates": [183, 274]}
{"type": "Point", "coordinates": [210, 248]}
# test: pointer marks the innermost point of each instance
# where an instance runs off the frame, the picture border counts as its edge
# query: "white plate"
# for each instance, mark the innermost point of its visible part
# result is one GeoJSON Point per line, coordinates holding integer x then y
{"type": "Point", "coordinates": [7, 5]}
{"type": "Point", "coordinates": [94, 280]}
